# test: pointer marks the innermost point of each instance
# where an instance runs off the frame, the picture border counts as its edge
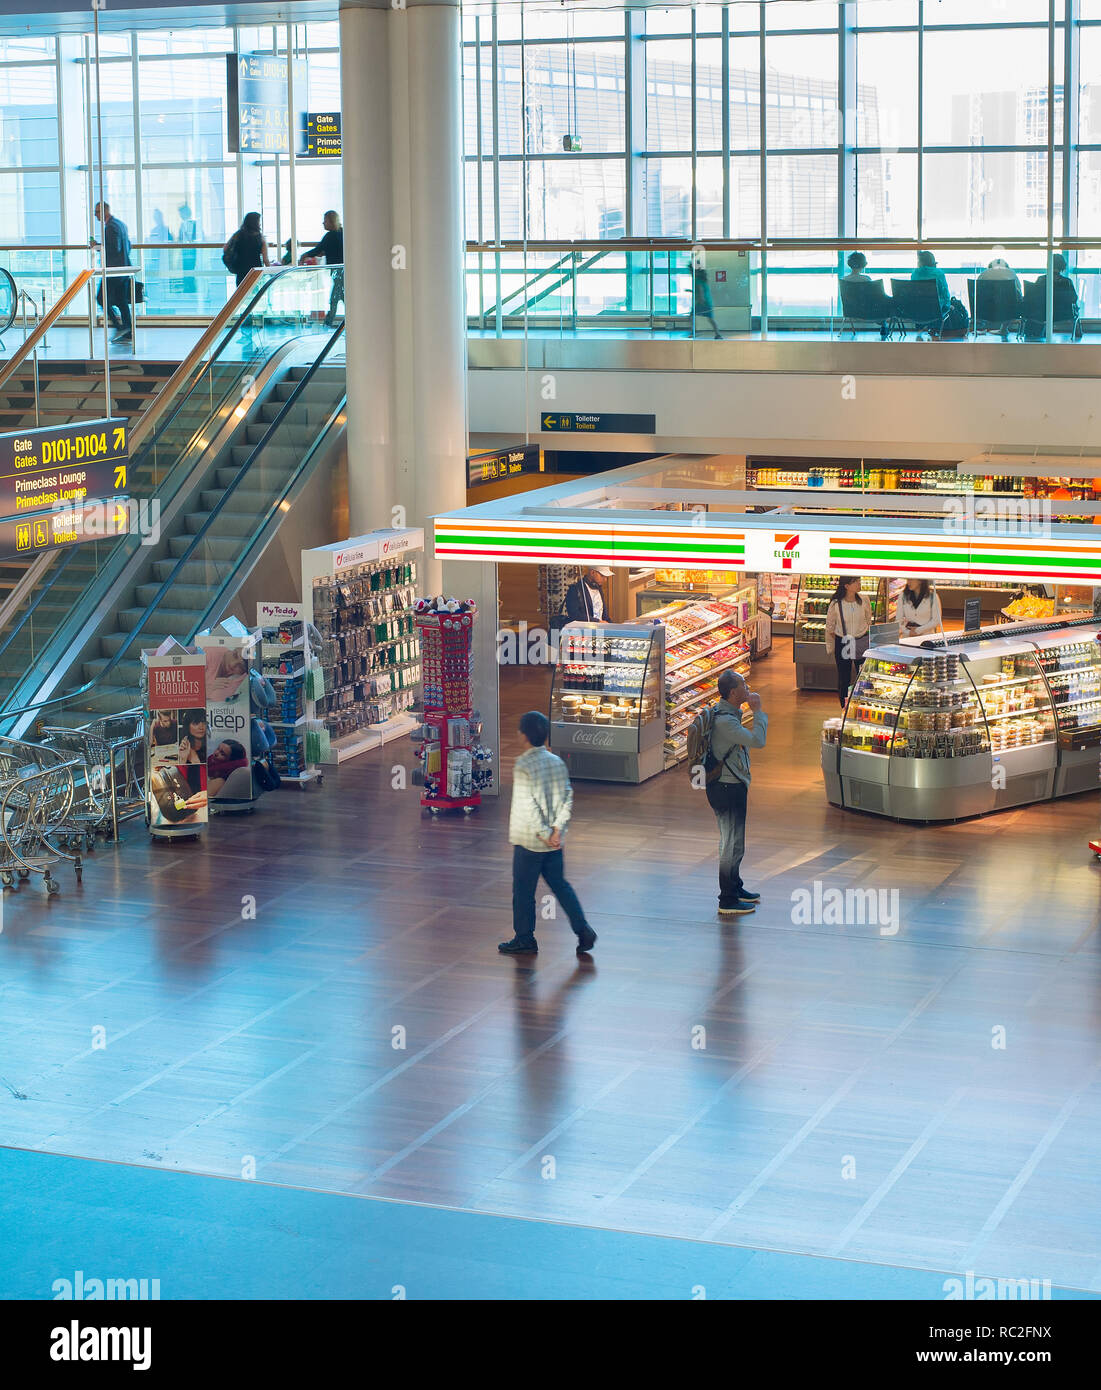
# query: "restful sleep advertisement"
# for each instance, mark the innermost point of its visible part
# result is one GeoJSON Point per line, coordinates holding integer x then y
{"type": "Point", "coordinates": [229, 747]}
{"type": "Point", "coordinates": [176, 743]}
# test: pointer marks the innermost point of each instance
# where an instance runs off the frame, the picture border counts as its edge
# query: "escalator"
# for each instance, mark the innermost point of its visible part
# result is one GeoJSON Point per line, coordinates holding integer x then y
{"type": "Point", "coordinates": [232, 448]}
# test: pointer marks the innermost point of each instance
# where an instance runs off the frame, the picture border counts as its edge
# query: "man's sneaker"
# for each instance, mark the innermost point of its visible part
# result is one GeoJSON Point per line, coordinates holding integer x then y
{"type": "Point", "coordinates": [747, 895]}
{"type": "Point", "coordinates": [738, 910]}
{"type": "Point", "coordinates": [125, 336]}
{"type": "Point", "coordinates": [586, 939]}
{"type": "Point", "coordinates": [517, 947]}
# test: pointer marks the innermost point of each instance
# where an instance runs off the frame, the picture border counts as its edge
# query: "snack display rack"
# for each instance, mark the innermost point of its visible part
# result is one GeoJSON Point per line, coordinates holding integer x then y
{"type": "Point", "coordinates": [359, 594]}
{"type": "Point", "coordinates": [976, 724]}
{"type": "Point", "coordinates": [455, 767]}
{"type": "Point", "coordinates": [605, 706]}
{"type": "Point", "coordinates": [814, 664]}
{"type": "Point", "coordinates": [701, 641]}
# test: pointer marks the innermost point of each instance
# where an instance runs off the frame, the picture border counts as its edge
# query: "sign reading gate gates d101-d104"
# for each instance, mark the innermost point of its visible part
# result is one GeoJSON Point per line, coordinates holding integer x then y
{"type": "Point", "coordinates": [62, 463]}
{"type": "Point", "coordinates": [555, 422]}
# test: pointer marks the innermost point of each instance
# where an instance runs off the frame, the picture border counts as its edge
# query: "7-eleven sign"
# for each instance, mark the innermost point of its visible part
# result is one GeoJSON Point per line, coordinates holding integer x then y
{"type": "Point", "coordinates": [787, 548]}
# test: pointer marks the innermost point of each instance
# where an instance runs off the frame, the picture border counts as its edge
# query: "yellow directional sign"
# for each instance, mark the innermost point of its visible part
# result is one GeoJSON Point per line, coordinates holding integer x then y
{"type": "Point", "coordinates": [61, 464]}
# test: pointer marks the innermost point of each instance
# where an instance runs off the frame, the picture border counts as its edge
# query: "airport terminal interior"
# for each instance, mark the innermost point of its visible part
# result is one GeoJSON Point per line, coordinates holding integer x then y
{"type": "Point", "coordinates": [652, 445]}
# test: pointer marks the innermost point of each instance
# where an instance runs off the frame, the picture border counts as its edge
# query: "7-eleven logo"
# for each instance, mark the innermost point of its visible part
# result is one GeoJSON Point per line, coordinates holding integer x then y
{"type": "Point", "coordinates": [787, 548]}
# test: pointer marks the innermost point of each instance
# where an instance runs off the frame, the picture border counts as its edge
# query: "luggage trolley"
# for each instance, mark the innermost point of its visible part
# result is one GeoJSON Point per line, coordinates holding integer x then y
{"type": "Point", "coordinates": [36, 798]}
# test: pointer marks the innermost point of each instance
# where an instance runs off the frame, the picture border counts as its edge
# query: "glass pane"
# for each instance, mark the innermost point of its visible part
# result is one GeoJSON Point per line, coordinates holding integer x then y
{"type": "Point", "coordinates": [667, 190]}
{"type": "Point", "coordinates": [675, 21]}
{"type": "Point", "coordinates": [669, 95]}
{"type": "Point", "coordinates": [709, 197]}
{"type": "Point", "coordinates": [886, 195]}
{"type": "Point", "coordinates": [183, 110]}
{"type": "Point", "coordinates": [117, 91]}
{"type": "Point", "coordinates": [177, 41]}
{"type": "Point", "coordinates": [15, 47]}
{"type": "Point", "coordinates": [709, 94]}
{"type": "Point", "coordinates": [745, 94]}
{"type": "Point", "coordinates": [801, 14]}
{"type": "Point", "coordinates": [989, 12]}
{"type": "Point", "coordinates": [745, 197]}
{"type": "Point", "coordinates": [892, 12]}
{"type": "Point", "coordinates": [28, 116]}
{"type": "Point", "coordinates": [977, 194]}
{"type": "Point", "coordinates": [194, 204]}
{"type": "Point", "coordinates": [571, 199]}
{"type": "Point", "coordinates": [987, 87]}
{"type": "Point", "coordinates": [1089, 107]}
{"type": "Point", "coordinates": [1089, 193]}
{"type": "Point", "coordinates": [30, 207]}
{"type": "Point", "coordinates": [510, 74]}
{"type": "Point", "coordinates": [886, 90]}
{"type": "Point", "coordinates": [322, 83]}
{"type": "Point", "coordinates": [802, 195]}
{"type": "Point", "coordinates": [802, 92]}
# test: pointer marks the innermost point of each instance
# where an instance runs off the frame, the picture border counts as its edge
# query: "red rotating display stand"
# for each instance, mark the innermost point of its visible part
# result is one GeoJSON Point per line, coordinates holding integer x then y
{"type": "Point", "coordinates": [446, 647]}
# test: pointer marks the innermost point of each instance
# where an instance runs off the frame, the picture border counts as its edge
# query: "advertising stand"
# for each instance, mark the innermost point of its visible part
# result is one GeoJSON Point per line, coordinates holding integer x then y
{"type": "Point", "coordinates": [176, 744]}
{"type": "Point", "coordinates": [288, 662]}
{"type": "Point", "coordinates": [229, 659]}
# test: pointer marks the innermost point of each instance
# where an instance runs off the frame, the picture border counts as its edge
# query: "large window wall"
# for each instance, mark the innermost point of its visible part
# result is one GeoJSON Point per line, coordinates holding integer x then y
{"type": "Point", "coordinates": [167, 168]}
{"type": "Point", "coordinates": [882, 119]}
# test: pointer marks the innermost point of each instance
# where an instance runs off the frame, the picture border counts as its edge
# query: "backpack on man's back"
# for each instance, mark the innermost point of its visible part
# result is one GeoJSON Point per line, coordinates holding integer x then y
{"type": "Point", "coordinates": [698, 740]}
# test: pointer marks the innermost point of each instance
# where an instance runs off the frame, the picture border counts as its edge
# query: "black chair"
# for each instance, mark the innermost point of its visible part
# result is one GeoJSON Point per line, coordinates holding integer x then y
{"type": "Point", "coordinates": [1066, 309]}
{"type": "Point", "coordinates": [917, 302]}
{"type": "Point", "coordinates": [866, 301]}
{"type": "Point", "coordinates": [995, 305]}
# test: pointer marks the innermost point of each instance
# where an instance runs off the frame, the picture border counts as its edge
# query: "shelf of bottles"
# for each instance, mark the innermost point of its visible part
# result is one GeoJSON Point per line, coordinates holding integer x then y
{"type": "Point", "coordinates": [815, 592]}
{"type": "Point", "coordinates": [1073, 672]}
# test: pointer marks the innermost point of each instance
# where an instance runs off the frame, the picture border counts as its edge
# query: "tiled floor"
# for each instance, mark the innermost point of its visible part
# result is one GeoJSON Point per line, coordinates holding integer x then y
{"type": "Point", "coordinates": [929, 1100]}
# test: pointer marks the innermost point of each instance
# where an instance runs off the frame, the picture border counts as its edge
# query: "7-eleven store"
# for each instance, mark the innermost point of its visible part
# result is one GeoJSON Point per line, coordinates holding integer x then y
{"type": "Point", "coordinates": [963, 724]}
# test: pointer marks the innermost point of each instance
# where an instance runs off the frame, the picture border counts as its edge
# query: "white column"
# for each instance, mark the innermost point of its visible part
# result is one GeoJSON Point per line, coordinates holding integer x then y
{"type": "Point", "coordinates": [368, 278]}
{"type": "Point", "coordinates": [403, 214]}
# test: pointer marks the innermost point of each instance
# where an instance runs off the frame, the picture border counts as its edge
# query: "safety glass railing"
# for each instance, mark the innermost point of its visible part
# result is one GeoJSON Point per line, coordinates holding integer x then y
{"type": "Point", "coordinates": [833, 289]}
{"type": "Point", "coordinates": [280, 318]}
{"type": "Point", "coordinates": [208, 564]}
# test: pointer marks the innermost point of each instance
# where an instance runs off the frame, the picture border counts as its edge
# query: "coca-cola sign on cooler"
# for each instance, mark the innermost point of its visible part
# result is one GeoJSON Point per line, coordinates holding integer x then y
{"type": "Point", "coordinates": [594, 738]}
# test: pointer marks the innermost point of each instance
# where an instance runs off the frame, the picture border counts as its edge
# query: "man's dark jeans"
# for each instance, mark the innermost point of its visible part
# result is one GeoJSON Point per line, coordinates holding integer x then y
{"type": "Point", "coordinates": [728, 800]}
{"type": "Point", "coordinates": [527, 866]}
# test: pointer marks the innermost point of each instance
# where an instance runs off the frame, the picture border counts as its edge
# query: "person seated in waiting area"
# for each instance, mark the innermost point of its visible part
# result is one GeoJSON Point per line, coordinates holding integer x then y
{"type": "Point", "coordinates": [858, 264]}
{"type": "Point", "coordinates": [927, 269]}
{"type": "Point", "coordinates": [1065, 300]}
{"type": "Point", "coordinates": [1000, 269]}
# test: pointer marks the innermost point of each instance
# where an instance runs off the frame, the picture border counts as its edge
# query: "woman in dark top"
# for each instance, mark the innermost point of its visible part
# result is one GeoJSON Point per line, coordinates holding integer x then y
{"type": "Point", "coordinates": [250, 247]}
{"type": "Point", "coordinates": [331, 246]}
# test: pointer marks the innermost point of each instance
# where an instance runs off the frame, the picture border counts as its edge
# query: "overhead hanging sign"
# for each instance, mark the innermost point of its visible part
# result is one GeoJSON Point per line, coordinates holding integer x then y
{"type": "Point", "coordinates": [321, 135]}
{"type": "Point", "coordinates": [257, 105]}
{"type": "Point", "coordinates": [28, 536]}
{"type": "Point", "coordinates": [496, 465]}
{"type": "Point", "coordinates": [62, 463]}
{"type": "Point", "coordinates": [555, 422]}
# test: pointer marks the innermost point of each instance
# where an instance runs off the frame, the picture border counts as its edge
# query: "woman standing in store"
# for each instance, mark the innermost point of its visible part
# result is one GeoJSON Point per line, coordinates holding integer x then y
{"type": "Point", "coordinates": [918, 609]}
{"type": "Point", "coordinates": [848, 621]}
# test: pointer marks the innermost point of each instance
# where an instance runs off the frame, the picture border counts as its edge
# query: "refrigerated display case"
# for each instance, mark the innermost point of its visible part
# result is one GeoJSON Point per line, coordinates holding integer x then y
{"type": "Point", "coordinates": [814, 664]}
{"type": "Point", "coordinates": [976, 724]}
{"type": "Point", "coordinates": [701, 641]}
{"type": "Point", "coordinates": [606, 701]}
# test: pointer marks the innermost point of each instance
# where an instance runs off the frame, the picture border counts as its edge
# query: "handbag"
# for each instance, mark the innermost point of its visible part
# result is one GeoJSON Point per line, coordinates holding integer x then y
{"type": "Point", "coordinates": [860, 644]}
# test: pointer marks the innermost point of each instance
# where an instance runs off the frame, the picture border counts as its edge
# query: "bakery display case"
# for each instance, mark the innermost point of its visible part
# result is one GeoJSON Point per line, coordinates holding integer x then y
{"type": "Point", "coordinates": [940, 731]}
{"type": "Point", "coordinates": [606, 701]}
{"type": "Point", "coordinates": [701, 641]}
{"type": "Point", "coordinates": [814, 664]}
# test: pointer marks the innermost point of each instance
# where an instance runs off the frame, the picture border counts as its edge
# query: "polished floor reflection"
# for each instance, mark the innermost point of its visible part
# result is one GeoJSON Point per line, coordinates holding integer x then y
{"type": "Point", "coordinates": [313, 996]}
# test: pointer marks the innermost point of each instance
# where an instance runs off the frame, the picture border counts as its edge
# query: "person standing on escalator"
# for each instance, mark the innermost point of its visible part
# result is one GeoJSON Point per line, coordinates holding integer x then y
{"type": "Point", "coordinates": [331, 247]}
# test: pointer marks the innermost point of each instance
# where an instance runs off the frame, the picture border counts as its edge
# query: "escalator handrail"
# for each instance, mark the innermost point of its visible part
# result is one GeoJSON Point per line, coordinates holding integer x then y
{"type": "Point", "coordinates": [250, 283]}
{"type": "Point", "coordinates": [118, 657]}
{"type": "Point", "coordinates": [32, 340]}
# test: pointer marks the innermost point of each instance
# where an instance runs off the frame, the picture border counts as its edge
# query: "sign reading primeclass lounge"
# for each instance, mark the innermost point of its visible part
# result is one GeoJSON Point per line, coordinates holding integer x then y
{"type": "Point", "coordinates": [62, 464]}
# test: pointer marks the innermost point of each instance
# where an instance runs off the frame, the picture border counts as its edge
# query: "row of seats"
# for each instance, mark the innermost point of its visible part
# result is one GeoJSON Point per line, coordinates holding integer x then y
{"type": "Point", "coordinates": [995, 305]}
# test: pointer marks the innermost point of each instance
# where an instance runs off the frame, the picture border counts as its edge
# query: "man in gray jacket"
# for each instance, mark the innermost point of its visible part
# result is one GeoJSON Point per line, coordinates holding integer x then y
{"type": "Point", "coordinates": [727, 796]}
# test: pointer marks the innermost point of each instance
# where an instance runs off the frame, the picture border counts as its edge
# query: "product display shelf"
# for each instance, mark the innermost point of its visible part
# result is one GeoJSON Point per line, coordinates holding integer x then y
{"type": "Point", "coordinates": [606, 701]}
{"type": "Point", "coordinates": [814, 664]}
{"type": "Point", "coordinates": [286, 661]}
{"type": "Point", "coordinates": [455, 768]}
{"type": "Point", "coordinates": [982, 722]}
{"type": "Point", "coordinates": [360, 595]}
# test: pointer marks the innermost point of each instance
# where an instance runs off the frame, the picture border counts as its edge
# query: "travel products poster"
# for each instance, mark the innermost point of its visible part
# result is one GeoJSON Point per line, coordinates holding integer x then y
{"type": "Point", "coordinates": [176, 790]}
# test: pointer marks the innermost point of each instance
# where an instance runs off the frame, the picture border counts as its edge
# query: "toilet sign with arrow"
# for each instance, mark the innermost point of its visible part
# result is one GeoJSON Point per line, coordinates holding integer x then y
{"type": "Point", "coordinates": [557, 422]}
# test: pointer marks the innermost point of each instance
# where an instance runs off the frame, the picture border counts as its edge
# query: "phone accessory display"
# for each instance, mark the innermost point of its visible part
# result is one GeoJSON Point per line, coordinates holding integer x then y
{"type": "Point", "coordinates": [455, 767]}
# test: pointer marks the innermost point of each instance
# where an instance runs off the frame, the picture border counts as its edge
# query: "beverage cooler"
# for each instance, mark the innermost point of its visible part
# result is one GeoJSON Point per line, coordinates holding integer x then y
{"type": "Point", "coordinates": [940, 731]}
{"type": "Point", "coordinates": [607, 706]}
{"type": "Point", "coordinates": [814, 664]}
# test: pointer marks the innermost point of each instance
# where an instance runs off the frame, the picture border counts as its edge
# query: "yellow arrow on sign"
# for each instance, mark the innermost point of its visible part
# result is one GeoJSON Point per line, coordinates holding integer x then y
{"type": "Point", "coordinates": [548, 422]}
{"type": "Point", "coordinates": [120, 476]}
{"type": "Point", "coordinates": [120, 437]}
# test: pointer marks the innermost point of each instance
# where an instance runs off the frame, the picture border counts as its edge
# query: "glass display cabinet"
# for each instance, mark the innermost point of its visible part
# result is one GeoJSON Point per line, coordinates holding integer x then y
{"type": "Point", "coordinates": [814, 665]}
{"type": "Point", "coordinates": [939, 732]}
{"type": "Point", "coordinates": [607, 710]}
